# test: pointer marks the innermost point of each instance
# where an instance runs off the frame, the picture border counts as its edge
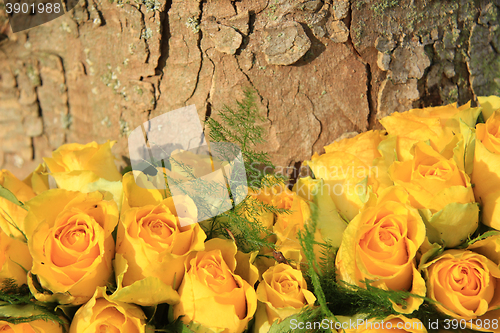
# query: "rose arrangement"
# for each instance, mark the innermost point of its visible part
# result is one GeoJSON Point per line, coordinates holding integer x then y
{"type": "Point", "coordinates": [395, 228]}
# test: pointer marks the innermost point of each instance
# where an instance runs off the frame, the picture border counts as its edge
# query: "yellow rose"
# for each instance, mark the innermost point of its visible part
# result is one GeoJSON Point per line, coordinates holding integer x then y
{"type": "Point", "coordinates": [15, 259]}
{"type": "Point", "coordinates": [154, 243]}
{"type": "Point", "coordinates": [351, 166]}
{"type": "Point", "coordinates": [36, 326]}
{"type": "Point", "coordinates": [211, 294]}
{"type": "Point", "coordinates": [11, 215]}
{"type": "Point", "coordinates": [440, 125]}
{"type": "Point", "coordinates": [75, 165]}
{"type": "Point", "coordinates": [486, 175]}
{"type": "Point", "coordinates": [69, 237]}
{"type": "Point", "coordinates": [381, 243]}
{"type": "Point", "coordinates": [466, 286]}
{"type": "Point", "coordinates": [390, 324]}
{"type": "Point", "coordinates": [442, 191]}
{"type": "Point", "coordinates": [102, 314]}
{"type": "Point", "coordinates": [283, 292]}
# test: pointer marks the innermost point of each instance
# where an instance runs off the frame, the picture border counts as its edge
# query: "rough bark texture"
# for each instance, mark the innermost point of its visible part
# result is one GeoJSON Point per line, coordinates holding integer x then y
{"type": "Point", "coordinates": [320, 68]}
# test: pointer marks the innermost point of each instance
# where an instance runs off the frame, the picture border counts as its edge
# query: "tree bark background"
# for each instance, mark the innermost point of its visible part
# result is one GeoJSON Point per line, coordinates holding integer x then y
{"type": "Point", "coordinates": [320, 68]}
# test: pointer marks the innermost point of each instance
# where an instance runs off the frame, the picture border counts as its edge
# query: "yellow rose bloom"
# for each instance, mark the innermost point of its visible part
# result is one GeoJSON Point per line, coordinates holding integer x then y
{"type": "Point", "coordinates": [381, 244]}
{"type": "Point", "coordinates": [211, 294]}
{"type": "Point", "coordinates": [466, 286]}
{"type": "Point", "coordinates": [74, 165]}
{"type": "Point", "coordinates": [440, 125]}
{"type": "Point", "coordinates": [442, 190]}
{"type": "Point", "coordinates": [154, 243]}
{"type": "Point", "coordinates": [282, 293]}
{"type": "Point", "coordinates": [69, 237]}
{"type": "Point", "coordinates": [391, 324]}
{"type": "Point", "coordinates": [11, 215]}
{"type": "Point", "coordinates": [36, 326]}
{"type": "Point", "coordinates": [102, 314]}
{"type": "Point", "coordinates": [15, 259]}
{"type": "Point", "coordinates": [351, 166]}
{"type": "Point", "coordinates": [486, 172]}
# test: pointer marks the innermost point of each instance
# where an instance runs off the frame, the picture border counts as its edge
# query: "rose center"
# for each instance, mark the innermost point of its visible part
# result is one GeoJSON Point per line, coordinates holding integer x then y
{"type": "Point", "coordinates": [107, 329]}
{"type": "Point", "coordinates": [441, 170]}
{"type": "Point", "coordinates": [215, 272]}
{"type": "Point", "coordinates": [288, 286]}
{"type": "Point", "coordinates": [465, 279]}
{"type": "Point", "coordinates": [159, 228]}
{"type": "Point", "coordinates": [387, 237]}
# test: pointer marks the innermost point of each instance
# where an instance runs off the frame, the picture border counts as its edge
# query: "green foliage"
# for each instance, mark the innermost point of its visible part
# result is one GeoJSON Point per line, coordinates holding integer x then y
{"type": "Point", "coordinates": [17, 305]}
{"type": "Point", "coordinates": [241, 126]}
{"type": "Point", "coordinates": [6, 194]}
{"type": "Point", "coordinates": [242, 224]}
{"type": "Point", "coordinates": [306, 239]}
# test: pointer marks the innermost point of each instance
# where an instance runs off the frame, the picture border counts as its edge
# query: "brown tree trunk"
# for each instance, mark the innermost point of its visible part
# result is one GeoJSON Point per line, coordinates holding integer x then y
{"type": "Point", "coordinates": [320, 68]}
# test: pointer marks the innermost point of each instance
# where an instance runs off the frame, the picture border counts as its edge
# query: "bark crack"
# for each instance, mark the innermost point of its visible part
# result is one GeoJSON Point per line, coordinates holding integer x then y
{"type": "Point", "coordinates": [208, 112]}
{"type": "Point", "coordinates": [255, 89]}
{"type": "Point", "coordinates": [165, 38]}
{"type": "Point", "coordinates": [372, 113]}
{"type": "Point", "coordinates": [198, 44]}
{"type": "Point", "coordinates": [317, 119]}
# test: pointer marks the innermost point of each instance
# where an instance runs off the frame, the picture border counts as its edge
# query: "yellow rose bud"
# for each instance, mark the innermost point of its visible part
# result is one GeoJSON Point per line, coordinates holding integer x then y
{"type": "Point", "coordinates": [69, 237]}
{"type": "Point", "coordinates": [351, 166]}
{"type": "Point", "coordinates": [443, 191]}
{"type": "Point", "coordinates": [381, 243]}
{"type": "Point", "coordinates": [489, 104]}
{"type": "Point", "coordinates": [154, 243]}
{"type": "Point", "coordinates": [283, 292]}
{"type": "Point", "coordinates": [211, 294]}
{"type": "Point", "coordinates": [440, 125]}
{"type": "Point", "coordinates": [266, 219]}
{"type": "Point", "coordinates": [36, 326]}
{"type": "Point", "coordinates": [11, 215]}
{"type": "Point", "coordinates": [38, 180]}
{"type": "Point", "coordinates": [139, 191]}
{"type": "Point", "coordinates": [465, 285]}
{"type": "Point", "coordinates": [485, 175]}
{"type": "Point", "coordinates": [102, 314]}
{"type": "Point", "coordinates": [390, 324]}
{"type": "Point", "coordinates": [15, 259]}
{"type": "Point", "coordinates": [287, 226]}
{"type": "Point", "coordinates": [75, 165]}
